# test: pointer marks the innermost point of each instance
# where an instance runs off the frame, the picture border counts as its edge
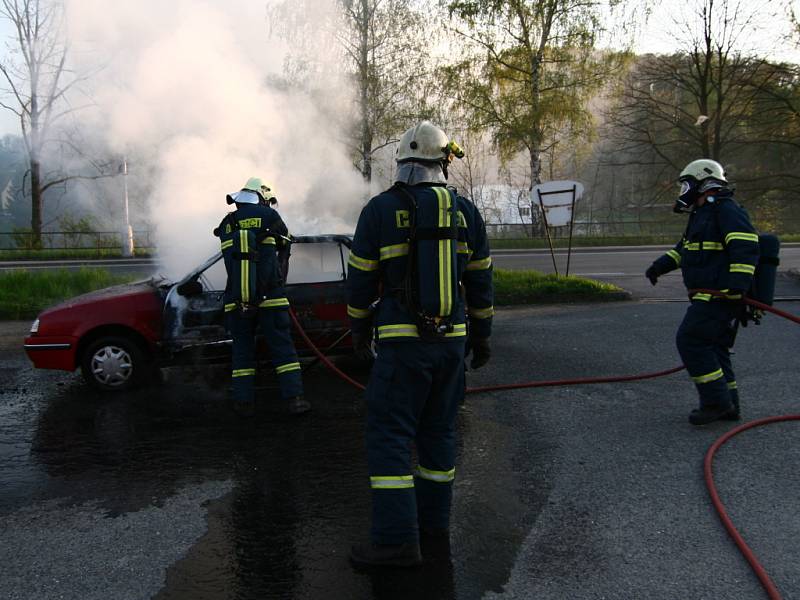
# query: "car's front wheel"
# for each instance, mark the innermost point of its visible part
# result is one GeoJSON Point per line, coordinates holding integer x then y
{"type": "Point", "coordinates": [113, 363]}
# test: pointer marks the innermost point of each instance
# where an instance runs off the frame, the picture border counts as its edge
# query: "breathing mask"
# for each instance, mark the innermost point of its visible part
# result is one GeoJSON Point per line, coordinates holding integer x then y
{"type": "Point", "coordinates": [689, 193]}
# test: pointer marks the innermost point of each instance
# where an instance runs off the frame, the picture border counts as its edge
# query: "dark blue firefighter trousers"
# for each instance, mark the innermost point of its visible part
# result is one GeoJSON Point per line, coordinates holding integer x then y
{"type": "Point", "coordinates": [703, 341]}
{"type": "Point", "coordinates": [274, 325]}
{"type": "Point", "coordinates": [413, 395]}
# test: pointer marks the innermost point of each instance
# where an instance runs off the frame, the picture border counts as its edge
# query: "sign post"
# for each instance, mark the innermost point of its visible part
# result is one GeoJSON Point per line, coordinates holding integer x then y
{"type": "Point", "coordinates": [557, 202]}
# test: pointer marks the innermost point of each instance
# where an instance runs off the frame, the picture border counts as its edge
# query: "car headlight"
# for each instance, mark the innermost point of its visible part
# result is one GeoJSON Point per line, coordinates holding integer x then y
{"type": "Point", "coordinates": [35, 326]}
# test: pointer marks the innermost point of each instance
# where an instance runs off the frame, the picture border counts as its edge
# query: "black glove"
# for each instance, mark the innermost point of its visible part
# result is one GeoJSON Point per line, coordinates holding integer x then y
{"type": "Point", "coordinates": [481, 353]}
{"type": "Point", "coordinates": [362, 345]}
{"type": "Point", "coordinates": [652, 274]}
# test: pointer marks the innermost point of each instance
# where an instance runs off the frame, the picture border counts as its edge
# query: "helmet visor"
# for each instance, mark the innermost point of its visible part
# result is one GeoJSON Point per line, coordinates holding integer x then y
{"type": "Point", "coordinates": [685, 186]}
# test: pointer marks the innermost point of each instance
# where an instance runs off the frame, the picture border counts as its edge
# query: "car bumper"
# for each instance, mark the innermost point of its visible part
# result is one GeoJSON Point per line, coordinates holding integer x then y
{"type": "Point", "coordinates": [52, 352]}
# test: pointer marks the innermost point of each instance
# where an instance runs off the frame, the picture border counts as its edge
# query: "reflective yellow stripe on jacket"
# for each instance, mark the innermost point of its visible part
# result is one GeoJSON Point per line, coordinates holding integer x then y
{"type": "Point", "coordinates": [395, 331]}
{"type": "Point", "coordinates": [363, 264]}
{"type": "Point", "coordinates": [358, 313]}
{"type": "Point", "coordinates": [741, 236]}
{"type": "Point", "coordinates": [479, 265]}
{"type": "Point", "coordinates": [244, 372]}
{"type": "Point", "coordinates": [274, 303]}
{"type": "Point", "coordinates": [459, 330]}
{"type": "Point", "coordinates": [245, 268]}
{"type": "Point", "coordinates": [742, 268]}
{"type": "Point", "coordinates": [674, 256]}
{"type": "Point", "coordinates": [705, 245]}
{"type": "Point", "coordinates": [445, 258]}
{"type": "Point", "coordinates": [394, 251]}
{"type": "Point", "coordinates": [481, 313]}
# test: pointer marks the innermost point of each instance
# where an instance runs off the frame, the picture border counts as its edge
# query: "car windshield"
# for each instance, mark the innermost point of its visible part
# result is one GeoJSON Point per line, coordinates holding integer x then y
{"type": "Point", "coordinates": [310, 262]}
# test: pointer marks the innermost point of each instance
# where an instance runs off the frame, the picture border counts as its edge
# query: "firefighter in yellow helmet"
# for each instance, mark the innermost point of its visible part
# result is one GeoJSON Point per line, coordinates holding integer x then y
{"type": "Point", "coordinates": [251, 238]}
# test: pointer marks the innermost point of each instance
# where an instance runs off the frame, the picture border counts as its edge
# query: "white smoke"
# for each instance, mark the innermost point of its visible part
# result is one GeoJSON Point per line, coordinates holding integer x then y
{"type": "Point", "coordinates": [185, 85]}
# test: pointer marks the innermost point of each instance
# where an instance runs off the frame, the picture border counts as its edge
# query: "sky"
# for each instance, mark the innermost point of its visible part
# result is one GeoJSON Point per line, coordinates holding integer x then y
{"type": "Point", "coordinates": [654, 36]}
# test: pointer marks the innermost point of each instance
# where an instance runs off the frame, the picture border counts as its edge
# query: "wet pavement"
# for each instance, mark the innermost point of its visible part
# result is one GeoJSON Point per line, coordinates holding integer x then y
{"type": "Point", "coordinates": [588, 492]}
{"type": "Point", "coordinates": [273, 503]}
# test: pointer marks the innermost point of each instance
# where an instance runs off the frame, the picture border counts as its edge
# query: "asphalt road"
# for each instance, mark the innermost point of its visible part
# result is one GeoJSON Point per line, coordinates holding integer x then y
{"type": "Point", "coordinates": [578, 492]}
{"type": "Point", "coordinates": [623, 266]}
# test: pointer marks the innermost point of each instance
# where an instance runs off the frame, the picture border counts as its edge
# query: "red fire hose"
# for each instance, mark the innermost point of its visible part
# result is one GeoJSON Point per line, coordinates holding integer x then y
{"type": "Point", "coordinates": [760, 572]}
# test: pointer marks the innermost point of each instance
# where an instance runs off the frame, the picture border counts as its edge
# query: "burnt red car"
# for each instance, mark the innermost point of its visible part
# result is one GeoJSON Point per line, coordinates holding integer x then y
{"type": "Point", "coordinates": [118, 336]}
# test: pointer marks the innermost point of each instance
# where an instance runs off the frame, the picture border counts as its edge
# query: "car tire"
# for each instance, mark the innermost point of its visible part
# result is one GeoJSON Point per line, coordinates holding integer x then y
{"type": "Point", "coordinates": [115, 364]}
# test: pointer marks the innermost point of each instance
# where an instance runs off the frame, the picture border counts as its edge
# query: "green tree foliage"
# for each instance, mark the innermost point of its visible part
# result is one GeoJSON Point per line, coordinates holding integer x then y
{"type": "Point", "coordinates": [527, 72]}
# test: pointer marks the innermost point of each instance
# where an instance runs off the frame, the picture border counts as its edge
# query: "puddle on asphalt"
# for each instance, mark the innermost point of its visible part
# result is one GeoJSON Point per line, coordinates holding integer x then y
{"type": "Point", "coordinates": [300, 495]}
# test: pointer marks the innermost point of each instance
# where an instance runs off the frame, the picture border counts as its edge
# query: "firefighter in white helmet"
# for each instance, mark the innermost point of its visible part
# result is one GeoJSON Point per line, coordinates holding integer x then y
{"type": "Point", "coordinates": [718, 251]}
{"type": "Point", "coordinates": [414, 248]}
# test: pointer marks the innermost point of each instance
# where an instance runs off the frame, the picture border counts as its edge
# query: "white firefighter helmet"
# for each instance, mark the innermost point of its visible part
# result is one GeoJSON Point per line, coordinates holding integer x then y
{"type": "Point", "coordinates": [697, 178]}
{"type": "Point", "coordinates": [425, 142]}
{"type": "Point", "coordinates": [703, 169]}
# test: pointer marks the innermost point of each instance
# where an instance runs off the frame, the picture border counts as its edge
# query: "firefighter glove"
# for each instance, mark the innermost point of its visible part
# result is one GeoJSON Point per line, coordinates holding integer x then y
{"type": "Point", "coordinates": [481, 352]}
{"type": "Point", "coordinates": [652, 274]}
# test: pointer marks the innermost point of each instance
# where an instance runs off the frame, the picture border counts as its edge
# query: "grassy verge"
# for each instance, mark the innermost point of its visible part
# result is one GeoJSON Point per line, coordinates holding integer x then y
{"type": "Point", "coordinates": [55, 254]}
{"type": "Point", "coordinates": [584, 242]}
{"type": "Point", "coordinates": [533, 287]}
{"type": "Point", "coordinates": [24, 294]}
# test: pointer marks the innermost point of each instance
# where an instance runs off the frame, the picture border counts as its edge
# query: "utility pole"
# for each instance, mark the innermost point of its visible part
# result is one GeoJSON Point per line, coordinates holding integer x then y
{"type": "Point", "coordinates": [127, 232]}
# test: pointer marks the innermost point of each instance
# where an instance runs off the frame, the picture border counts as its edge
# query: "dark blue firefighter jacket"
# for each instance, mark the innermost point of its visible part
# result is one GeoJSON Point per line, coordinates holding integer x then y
{"type": "Point", "coordinates": [719, 249]}
{"type": "Point", "coordinates": [379, 259]}
{"type": "Point", "coordinates": [268, 227]}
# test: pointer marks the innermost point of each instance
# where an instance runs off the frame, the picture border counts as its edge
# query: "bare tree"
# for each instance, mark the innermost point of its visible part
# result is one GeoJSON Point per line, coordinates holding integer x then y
{"type": "Point", "coordinates": [713, 98]}
{"type": "Point", "coordinates": [382, 46]}
{"type": "Point", "coordinates": [37, 83]}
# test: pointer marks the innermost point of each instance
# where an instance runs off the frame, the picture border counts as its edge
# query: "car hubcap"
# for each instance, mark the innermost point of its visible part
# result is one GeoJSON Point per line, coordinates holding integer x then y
{"type": "Point", "coordinates": [112, 365]}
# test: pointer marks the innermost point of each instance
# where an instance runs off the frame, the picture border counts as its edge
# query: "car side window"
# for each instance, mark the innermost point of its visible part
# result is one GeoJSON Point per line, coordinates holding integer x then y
{"type": "Point", "coordinates": [316, 262]}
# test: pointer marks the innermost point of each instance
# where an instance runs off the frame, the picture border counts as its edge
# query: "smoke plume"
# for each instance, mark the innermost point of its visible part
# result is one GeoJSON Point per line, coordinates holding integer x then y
{"type": "Point", "coordinates": [183, 87]}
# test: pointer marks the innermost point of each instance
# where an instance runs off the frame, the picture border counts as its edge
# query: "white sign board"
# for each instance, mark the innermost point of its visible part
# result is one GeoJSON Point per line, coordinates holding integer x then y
{"type": "Point", "coordinates": [557, 198]}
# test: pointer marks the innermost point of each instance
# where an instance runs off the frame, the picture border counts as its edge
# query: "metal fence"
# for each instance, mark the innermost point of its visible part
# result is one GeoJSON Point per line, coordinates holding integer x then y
{"type": "Point", "coordinates": [76, 240]}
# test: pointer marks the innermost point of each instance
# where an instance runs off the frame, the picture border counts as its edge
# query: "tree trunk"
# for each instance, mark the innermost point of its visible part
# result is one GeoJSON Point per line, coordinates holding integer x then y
{"type": "Point", "coordinates": [366, 130]}
{"type": "Point", "coordinates": [537, 225]}
{"type": "Point", "coordinates": [36, 204]}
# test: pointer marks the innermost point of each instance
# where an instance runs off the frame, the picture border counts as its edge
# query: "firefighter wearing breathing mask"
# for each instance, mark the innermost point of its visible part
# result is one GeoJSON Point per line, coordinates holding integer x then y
{"type": "Point", "coordinates": [420, 252]}
{"type": "Point", "coordinates": [718, 251]}
{"type": "Point", "coordinates": [254, 242]}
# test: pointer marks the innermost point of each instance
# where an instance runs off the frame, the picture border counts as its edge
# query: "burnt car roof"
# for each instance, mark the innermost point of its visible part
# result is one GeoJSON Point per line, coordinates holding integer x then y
{"type": "Point", "coordinates": [346, 240]}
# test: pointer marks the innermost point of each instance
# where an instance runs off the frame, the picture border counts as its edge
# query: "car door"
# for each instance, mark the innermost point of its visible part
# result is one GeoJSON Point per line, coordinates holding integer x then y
{"type": "Point", "coordinates": [316, 287]}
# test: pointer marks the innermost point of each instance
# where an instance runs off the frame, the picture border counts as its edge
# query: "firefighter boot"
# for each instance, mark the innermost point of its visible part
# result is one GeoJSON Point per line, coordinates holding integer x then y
{"type": "Point", "coordinates": [395, 555]}
{"type": "Point", "coordinates": [298, 405]}
{"type": "Point", "coordinates": [710, 413]}
{"type": "Point", "coordinates": [734, 415]}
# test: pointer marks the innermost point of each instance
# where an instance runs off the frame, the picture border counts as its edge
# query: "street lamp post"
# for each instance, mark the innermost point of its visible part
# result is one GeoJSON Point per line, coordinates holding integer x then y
{"type": "Point", "coordinates": [127, 232]}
